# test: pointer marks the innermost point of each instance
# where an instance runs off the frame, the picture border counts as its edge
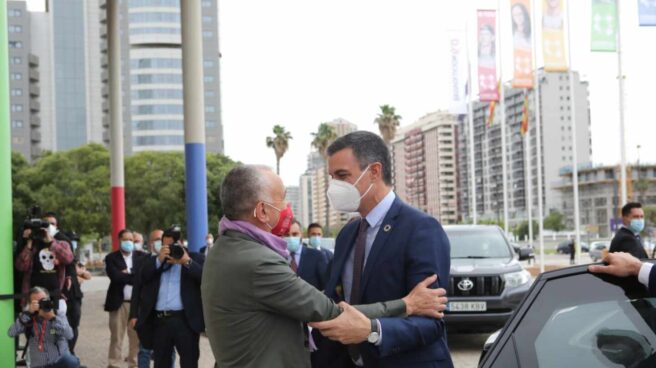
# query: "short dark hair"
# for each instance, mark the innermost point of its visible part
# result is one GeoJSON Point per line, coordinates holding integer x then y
{"type": "Point", "coordinates": [368, 148]}
{"type": "Point", "coordinates": [50, 214]}
{"type": "Point", "coordinates": [120, 233]}
{"type": "Point", "coordinates": [626, 210]}
{"type": "Point", "coordinates": [295, 221]}
{"type": "Point", "coordinates": [242, 188]}
{"type": "Point", "coordinates": [313, 225]}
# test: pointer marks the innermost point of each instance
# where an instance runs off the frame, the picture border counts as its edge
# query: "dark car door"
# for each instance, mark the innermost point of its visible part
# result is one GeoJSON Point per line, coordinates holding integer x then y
{"type": "Point", "coordinates": [572, 318]}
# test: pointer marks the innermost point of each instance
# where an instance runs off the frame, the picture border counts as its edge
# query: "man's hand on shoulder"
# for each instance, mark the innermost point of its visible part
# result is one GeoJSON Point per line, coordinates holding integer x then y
{"type": "Point", "coordinates": [350, 327]}
{"type": "Point", "coordinates": [424, 301]}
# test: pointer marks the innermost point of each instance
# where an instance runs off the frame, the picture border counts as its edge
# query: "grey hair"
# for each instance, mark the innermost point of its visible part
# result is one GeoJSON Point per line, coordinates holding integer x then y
{"type": "Point", "coordinates": [242, 189]}
{"type": "Point", "coordinates": [35, 290]}
{"type": "Point", "coordinates": [368, 148]}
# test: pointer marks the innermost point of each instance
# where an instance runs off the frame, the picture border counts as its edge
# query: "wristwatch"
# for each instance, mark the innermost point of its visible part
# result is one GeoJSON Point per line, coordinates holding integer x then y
{"type": "Point", "coordinates": [374, 336]}
{"type": "Point", "coordinates": [188, 264]}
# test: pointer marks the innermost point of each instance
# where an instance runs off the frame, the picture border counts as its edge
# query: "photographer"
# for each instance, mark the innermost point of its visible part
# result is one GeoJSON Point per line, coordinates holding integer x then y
{"type": "Point", "coordinates": [170, 311]}
{"type": "Point", "coordinates": [47, 332]}
{"type": "Point", "coordinates": [43, 260]}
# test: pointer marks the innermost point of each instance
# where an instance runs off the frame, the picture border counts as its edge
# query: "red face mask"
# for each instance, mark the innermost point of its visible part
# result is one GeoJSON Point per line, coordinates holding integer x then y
{"type": "Point", "coordinates": [284, 222]}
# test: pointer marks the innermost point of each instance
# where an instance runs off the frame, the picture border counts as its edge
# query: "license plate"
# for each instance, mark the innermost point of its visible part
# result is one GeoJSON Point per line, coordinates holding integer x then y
{"type": "Point", "coordinates": [467, 306]}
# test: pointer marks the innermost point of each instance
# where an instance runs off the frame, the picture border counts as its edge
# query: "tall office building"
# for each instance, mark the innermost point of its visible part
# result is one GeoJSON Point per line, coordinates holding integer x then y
{"type": "Point", "coordinates": [152, 75]}
{"type": "Point", "coordinates": [24, 83]}
{"type": "Point", "coordinates": [425, 165]}
{"type": "Point", "coordinates": [556, 144]}
{"type": "Point", "coordinates": [75, 57]}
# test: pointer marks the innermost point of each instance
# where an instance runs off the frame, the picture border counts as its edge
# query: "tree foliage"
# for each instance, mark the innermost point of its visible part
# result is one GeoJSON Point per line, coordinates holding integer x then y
{"type": "Point", "coordinates": [75, 184]}
{"type": "Point", "coordinates": [555, 221]}
{"type": "Point", "coordinates": [280, 143]}
{"type": "Point", "coordinates": [387, 121]}
{"type": "Point", "coordinates": [521, 230]}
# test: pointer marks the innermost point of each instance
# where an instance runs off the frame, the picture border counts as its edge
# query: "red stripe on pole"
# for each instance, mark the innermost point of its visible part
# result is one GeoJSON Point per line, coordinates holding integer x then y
{"type": "Point", "coordinates": [118, 214]}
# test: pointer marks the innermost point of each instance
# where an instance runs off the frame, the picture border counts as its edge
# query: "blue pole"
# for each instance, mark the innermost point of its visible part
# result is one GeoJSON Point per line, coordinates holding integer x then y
{"type": "Point", "coordinates": [194, 123]}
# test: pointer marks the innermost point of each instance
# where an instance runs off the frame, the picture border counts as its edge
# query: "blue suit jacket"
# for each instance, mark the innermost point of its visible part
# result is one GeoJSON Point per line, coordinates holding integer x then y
{"type": "Point", "coordinates": [409, 247]}
{"type": "Point", "coordinates": [313, 267]}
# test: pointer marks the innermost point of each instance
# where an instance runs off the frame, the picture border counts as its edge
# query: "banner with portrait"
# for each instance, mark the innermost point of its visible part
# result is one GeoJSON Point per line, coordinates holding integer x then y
{"type": "Point", "coordinates": [553, 36]}
{"type": "Point", "coordinates": [647, 12]}
{"type": "Point", "coordinates": [487, 56]}
{"type": "Point", "coordinates": [459, 71]}
{"type": "Point", "coordinates": [604, 25]}
{"type": "Point", "coordinates": [520, 11]}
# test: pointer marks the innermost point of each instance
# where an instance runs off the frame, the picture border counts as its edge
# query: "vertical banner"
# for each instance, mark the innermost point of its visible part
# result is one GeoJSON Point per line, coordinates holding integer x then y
{"type": "Point", "coordinates": [7, 354]}
{"type": "Point", "coordinates": [458, 67]}
{"type": "Point", "coordinates": [553, 36]}
{"type": "Point", "coordinates": [604, 25]}
{"type": "Point", "coordinates": [523, 128]}
{"type": "Point", "coordinates": [487, 55]}
{"type": "Point", "coordinates": [520, 11]}
{"type": "Point", "coordinates": [647, 12]}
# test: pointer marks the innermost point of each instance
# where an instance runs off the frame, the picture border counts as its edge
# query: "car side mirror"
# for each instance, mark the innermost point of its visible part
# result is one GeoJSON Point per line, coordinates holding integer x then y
{"type": "Point", "coordinates": [525, 253]}
{"type": "Point", "coordinates": [623, 347]}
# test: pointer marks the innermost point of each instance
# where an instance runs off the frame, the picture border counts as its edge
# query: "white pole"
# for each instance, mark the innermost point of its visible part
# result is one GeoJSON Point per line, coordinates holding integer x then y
{"type": "Point", "coordinates": [502, 116]}
{"type": "Point", "coordinates": [529, 185]}
{"type": "Point", "coordinates": [620, 78]}
{"type": "Point", "coordinates": [575, 170]}
{"type": "Point", "coordinates": [538, 136]}
{"type": "Point", "coordinates": [470, 113]}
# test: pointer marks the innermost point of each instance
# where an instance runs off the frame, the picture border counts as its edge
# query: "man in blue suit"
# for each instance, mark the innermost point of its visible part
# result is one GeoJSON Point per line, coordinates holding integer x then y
{"type": "Point", "coordinates": [309, 264]}
{"type": "Point", "coordinates": [381, 256]}
{"type": "Point", "coordinates": [624, 264]}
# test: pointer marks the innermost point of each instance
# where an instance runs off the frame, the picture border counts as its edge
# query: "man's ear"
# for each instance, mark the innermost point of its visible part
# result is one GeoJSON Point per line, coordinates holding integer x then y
{"type": "Point", "coordinates": [376, 170]}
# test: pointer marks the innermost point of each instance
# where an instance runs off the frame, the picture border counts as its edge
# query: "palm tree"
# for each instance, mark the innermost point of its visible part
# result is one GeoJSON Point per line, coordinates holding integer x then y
{"type": "Point", "coordinates": [324, 136]}
{"type": "Point", "coordinates": [387, 121]}
{"type": "Point", "coordinates": [280, 143]}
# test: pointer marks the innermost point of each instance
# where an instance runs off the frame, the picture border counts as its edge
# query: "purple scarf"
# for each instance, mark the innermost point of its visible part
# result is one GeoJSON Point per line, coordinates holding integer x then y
{"type": "Point", "coordinates": [275, 243]}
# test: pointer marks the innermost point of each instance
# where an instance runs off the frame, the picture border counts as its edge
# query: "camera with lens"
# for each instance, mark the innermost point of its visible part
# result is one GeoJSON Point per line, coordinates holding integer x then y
{"type": "Point", "coordinates": [177, 250]}
{"type": "Point", "coordinates": [34, 222]}
{"type": "Point", "coordinates": [47, 305]}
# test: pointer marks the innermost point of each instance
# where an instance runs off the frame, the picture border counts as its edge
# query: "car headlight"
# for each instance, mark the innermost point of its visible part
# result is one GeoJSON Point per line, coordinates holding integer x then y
{"type": "Point", "coordinates": [515, 279]}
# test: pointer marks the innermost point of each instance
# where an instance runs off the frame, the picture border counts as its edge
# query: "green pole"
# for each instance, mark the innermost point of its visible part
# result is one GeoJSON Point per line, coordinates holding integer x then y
{"type": "Point", "coordinates": [7, 353]}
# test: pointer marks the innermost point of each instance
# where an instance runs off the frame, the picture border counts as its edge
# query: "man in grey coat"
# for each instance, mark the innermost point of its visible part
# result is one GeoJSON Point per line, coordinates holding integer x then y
{"type": "Point", "coordinates": [254, 304]}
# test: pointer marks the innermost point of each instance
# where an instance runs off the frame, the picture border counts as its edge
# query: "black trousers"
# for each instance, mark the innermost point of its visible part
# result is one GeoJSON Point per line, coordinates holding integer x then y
{"type": "Point", "coordinates": [174, 332]}
{"type": "Point", "coordinates": [73, 314]}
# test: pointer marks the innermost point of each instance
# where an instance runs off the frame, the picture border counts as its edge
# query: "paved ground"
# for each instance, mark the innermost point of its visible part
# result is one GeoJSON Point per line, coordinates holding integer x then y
{"type": "Point", "coordinates": [94, 331]}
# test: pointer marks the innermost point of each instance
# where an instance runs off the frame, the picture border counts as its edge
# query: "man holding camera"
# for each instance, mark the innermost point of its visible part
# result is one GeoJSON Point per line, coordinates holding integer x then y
{"type": "Point", "coordinates": [119, 267]}
{"type": "Point", "coordinates": [47, 332]}
{"type": "Point", "coordinates": [170, 312]}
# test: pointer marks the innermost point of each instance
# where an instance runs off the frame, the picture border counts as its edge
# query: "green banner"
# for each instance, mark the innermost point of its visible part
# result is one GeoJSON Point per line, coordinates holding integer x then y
{"type": "Point", "coordinates": [604, 25]}
{"type": "Point", "coordinates": [7, 353]}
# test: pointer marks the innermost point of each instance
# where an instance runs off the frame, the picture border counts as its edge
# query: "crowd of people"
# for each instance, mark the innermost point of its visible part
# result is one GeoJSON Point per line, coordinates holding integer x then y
{"type": "Point", "coordinates": [266, 293]}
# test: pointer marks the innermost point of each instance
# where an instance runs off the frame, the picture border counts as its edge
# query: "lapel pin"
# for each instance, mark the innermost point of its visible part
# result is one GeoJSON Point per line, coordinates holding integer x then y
{"type": "Point", "coordinates": [387, 228]}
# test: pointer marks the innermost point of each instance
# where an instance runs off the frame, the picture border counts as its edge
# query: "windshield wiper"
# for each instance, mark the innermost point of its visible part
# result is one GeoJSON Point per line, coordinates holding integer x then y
{"type": "Point", "coordinates": [473, 257]}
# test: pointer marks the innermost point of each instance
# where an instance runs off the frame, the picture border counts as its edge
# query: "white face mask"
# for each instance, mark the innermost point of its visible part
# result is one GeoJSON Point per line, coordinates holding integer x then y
{"type": "Point", "coordinates": [345, 197]}
{"type": "Point", "coordinates": [52, 230]}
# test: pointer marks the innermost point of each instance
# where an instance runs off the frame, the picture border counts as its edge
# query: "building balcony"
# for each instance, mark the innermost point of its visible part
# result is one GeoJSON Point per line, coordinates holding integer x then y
{"type": "Point", "coordinates": [35, 120]}
{"type": "Point", "coordinates": [34, 75]}
{"type": "Point", "coordinates": [35, 151]}
{"type": "Point", "coordinates": [103, 31]}
{"type": "Point", "coordinates": [33, 60]}
{"type": "Point", "coordinates": [105, 106]}
{"type": "Point", "coordinates": [105, 121]}
{"type": "Point", "coordinates": [35, 106]}
{"type": "Point", "coordinates": [35, 136]}
{"type": "Point", "coordinates": [35, 90]}
{"type": "Point", "coordinates": [104, 76]}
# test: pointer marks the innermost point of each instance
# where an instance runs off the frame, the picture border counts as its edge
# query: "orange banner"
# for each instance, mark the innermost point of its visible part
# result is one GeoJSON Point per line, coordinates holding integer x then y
{"type": "Point", "coordinates": [523, 128]}
{"type": "Point", "coordinates": [523, 51]}
{"type": "Point", "coordinates": [553, 36]}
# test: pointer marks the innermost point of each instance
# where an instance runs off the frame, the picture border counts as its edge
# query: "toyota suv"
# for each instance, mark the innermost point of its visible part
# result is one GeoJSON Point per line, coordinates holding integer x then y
{"type": "Point", "coordinates": [487, 282]}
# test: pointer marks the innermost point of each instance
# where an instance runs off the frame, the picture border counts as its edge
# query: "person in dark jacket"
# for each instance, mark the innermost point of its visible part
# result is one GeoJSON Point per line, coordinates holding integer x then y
{"type": "Point", "coordinates": [309, 264]}
{"type": "Point", "coordinates": [119, 266]}
{"type": "Point", "coordinates": [315, 234]}
{"type": "Point", "coordinates": [627, 239]}
{"type": "Point", "coordinates": [170, 311]}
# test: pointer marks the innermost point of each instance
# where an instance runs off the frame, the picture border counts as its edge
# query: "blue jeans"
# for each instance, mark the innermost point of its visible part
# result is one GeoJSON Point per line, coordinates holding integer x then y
{"type": "Point", "coordinates": [67, 360]}
{"type": "Point", "coordinates": [144, 357]}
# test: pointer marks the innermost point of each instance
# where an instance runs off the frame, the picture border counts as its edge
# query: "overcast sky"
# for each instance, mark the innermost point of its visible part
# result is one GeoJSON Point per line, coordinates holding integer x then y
{"type": "Point", "coordinates": [299, 63]}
